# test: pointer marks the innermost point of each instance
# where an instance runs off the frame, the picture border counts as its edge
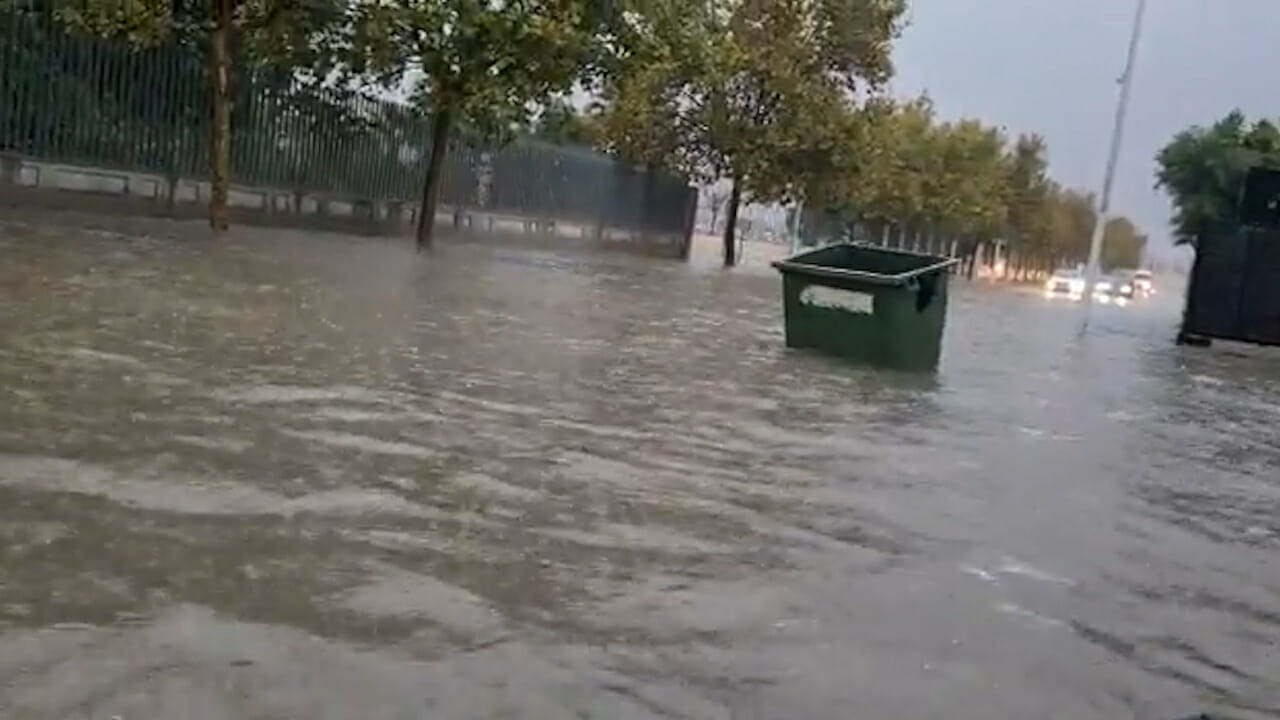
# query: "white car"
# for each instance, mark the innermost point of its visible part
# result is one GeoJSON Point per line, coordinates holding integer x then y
{"type": "Point", "coordinates": [1113, 289]}
{"type": "Point", "coordinates": [1142, 283]}
{"type": "Point", "coordinates": [1065, 283]}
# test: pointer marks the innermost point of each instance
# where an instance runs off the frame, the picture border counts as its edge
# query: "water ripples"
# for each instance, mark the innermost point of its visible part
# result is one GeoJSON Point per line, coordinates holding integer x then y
{"type": "Point", "coordinates": [603, 481]}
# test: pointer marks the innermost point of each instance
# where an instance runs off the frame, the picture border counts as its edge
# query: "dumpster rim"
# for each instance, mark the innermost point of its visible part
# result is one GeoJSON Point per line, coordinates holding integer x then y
{"type": "Point", "coordinates": [793, 264]}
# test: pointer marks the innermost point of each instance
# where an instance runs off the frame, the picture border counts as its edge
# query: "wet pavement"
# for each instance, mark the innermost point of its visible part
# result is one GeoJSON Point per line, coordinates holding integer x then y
{"type": "Point", "coordinates": [292, 476]}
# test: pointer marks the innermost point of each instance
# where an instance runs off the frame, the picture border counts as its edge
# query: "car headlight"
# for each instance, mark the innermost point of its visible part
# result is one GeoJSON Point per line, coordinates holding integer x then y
{"type": "Point", "coordinates": [1126, 288]}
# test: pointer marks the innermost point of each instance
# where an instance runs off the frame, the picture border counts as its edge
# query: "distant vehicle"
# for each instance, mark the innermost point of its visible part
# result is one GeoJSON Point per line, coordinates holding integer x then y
{"type": "Point", "coordinates": [1065, 284]}
{"type": "Point", "coordinates": [1143, 283]}
{"type": "Point", "coordinates": [1113, 288]}
{"type": "Point", "coordinates": [1125, 288]}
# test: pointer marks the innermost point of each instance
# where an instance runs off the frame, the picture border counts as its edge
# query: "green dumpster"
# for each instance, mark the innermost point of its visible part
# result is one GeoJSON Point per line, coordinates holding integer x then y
{"type": "Point", "coordinates": [877, 306]}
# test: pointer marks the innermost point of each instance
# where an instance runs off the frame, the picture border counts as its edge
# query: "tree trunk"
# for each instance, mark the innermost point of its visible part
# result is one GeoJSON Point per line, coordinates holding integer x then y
{"type": "Point", "coordinates": [220, 135]}
{"type": "Point", "coordinates": [440, 126]}
{"type": "Point", "coordinates": [731, 225]}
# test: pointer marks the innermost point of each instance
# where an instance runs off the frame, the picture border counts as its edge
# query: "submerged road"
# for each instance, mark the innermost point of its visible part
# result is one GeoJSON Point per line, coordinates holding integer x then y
{"type": "Point", "coordinates": [291, 476]}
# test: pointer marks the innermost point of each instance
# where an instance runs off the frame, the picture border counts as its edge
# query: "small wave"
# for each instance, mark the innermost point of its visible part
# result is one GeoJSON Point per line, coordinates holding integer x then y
{"type": "Point", "coordinates": [1207, 380]}
{"type": "Point", "coordinates": [978, 573]}
{"type": "Point", "coordinates": [284, 394]}
{"type": "Point", "coordinates": [362, 443]}
{"type": "Point", "coordinates": [100, 356]}
{"type": "Point", "coordinates": [1011, 566]}
{"type": "Point", "coordinates": [1015, 567]}
{"type": "Point", "coordinates": [1020, 611]}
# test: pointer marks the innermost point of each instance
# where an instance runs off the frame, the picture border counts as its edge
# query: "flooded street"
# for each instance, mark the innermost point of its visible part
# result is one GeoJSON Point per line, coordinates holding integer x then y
{"type": "Point", "coordinates": [310, 476]}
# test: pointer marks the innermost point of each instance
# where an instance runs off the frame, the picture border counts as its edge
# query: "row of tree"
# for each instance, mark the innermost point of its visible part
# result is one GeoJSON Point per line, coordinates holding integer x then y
{"type": "Point", "coordinates": [944, 182]}
{"type": "Point", "coordinates": [780, 96]}
{"type": "Point", "coordinates": [486, 66]}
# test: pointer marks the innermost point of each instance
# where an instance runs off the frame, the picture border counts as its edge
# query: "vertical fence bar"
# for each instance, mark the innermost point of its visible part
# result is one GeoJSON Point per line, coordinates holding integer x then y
{"type": "Point", "coordinates": [312, 125]}
{"type": "Point", "coordinates": [157, 140]}
{"type": "Point", "coordinates": [279, 133]}
{"type": "Point", "coordinates": [369, 155]}
{"type": "Point", "coordinates": [248, 134]}
{"type": "Point", "coordinates": [9, 73]}
{"type": "Point", "coordinates": [195, 131]}
{"type": "Point", "coordinates": [96, 148]}
{"type": "Point", "coordinates": [136, 134]}
{"type": "Point", "coordinates": [292, 139]}
{"type": "Point", "coordinates": [269, 128]}
{"type": "Point", "coordinates": [308, 122]}
{"type": "Point", "coordinates": [81, 136]}
{"type": "Point", "coordinates": [117, 130]}
{"type": "Point", "coordinates": [44, 138]}
{"type": "Point", "coordinates": [28, 37]}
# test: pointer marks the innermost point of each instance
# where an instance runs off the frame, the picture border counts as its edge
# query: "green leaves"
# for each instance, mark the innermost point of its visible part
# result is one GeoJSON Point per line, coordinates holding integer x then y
{"type": "Point", "coordinates": [492, 63]}
{"type": "Point", "coordinates": [1122, 245]}
{"type": "Point", "coordinates": [561, 123]}
{"type": "Point", "coordinates": [1203, 169]}
{"type": "Point", "coordinates": [754, 89]}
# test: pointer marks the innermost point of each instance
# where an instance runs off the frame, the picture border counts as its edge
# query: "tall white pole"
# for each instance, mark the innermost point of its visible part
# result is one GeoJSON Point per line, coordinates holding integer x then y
{"type": "Point", "coordinates": [1117, 136]}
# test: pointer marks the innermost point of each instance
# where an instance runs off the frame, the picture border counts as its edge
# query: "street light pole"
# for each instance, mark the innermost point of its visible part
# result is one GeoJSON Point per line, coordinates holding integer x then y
{"type": "Point", "coordinates": [1113, 156]}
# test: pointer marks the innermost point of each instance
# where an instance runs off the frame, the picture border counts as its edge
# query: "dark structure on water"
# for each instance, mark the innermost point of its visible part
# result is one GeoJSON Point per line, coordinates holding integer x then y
{"type": "Point", "coordinates": [1234, 292]}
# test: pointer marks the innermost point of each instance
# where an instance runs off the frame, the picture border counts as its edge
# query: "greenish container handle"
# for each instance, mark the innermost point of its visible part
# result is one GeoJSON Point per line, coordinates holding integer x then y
{"type": "Point", "coordinates": [926, 287]}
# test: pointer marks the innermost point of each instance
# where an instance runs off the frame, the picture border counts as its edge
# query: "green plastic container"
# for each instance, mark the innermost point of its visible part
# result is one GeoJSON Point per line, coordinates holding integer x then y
{"type": "Point", "coordinates": [881, 307]}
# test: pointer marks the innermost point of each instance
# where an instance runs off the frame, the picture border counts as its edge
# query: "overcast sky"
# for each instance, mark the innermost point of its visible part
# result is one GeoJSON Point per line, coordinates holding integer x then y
{"type": "Point", "coordinates": [1050, 66]}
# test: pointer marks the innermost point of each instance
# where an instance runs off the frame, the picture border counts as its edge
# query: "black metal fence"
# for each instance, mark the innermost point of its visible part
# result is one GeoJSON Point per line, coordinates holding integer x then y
{"type": "Point", "coordinates": [1234, 290]}
{"type": "Point", "coordinates": [82, 101]}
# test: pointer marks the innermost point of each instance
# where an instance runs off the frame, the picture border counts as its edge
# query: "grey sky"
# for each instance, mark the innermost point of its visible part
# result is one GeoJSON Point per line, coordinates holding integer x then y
{"type": "Point", "coordinates": [1050, 66]}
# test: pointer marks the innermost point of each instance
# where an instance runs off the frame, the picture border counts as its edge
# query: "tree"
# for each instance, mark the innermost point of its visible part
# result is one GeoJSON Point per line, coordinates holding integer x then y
{"type": "Point", "coordinates": [1203, 169]}
{"type": "Point", "coordinates": [561, 123]}
{"type": "Point", "coordinates": [1122, 245]}
{"type": "Point", "coordinates": [483, 64]}
{"type": "Point", "coordinates": [900, 176]}
{"type": "Point", "coordinates": [719, 89]}
{"type": "Point", "coordinates": [1028, 212]}
{"type": "Point", "coordinates": [1074, 216]}
{"type": "Point", "coordinates": [781, 74]}
{"type": "Point", "coordinates": [291, 33]}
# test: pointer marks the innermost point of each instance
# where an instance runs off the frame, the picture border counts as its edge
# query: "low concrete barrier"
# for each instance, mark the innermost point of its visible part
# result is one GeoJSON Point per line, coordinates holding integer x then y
{"type": "Point", "coordinates": [28, 183]}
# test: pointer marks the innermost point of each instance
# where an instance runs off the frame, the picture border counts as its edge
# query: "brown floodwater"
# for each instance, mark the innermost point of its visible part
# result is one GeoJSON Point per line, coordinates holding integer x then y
{"type": "Point", "coordinates": [292, 475]}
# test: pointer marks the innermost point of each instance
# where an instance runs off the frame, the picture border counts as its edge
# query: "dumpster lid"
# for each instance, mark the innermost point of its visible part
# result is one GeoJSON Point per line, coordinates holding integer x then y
{"type": "Point", "coordinates": [805, 263]}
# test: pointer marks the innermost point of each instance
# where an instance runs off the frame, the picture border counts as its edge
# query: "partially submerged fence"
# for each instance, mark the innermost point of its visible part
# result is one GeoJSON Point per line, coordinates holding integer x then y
{"type": "Point", "coordinates": [87, 114]}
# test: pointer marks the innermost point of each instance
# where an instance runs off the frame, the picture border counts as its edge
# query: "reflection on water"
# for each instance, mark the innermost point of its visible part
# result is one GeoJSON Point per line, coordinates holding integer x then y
{"type": "Point", "coordinates": [311, 476]}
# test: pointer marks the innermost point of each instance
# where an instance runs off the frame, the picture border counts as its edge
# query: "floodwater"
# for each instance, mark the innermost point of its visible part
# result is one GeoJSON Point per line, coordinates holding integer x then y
{"type": "Point", "coordinates": [292, 476]}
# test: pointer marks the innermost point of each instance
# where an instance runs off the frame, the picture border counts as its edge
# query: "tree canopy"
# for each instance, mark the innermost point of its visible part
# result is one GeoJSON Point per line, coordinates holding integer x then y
{"type": "Point", "coordinates": [751, 90]}
{"type": "Point", "coordinates": [902, 174]}
{"type": "Point", "coordinates": [1203, 170]}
